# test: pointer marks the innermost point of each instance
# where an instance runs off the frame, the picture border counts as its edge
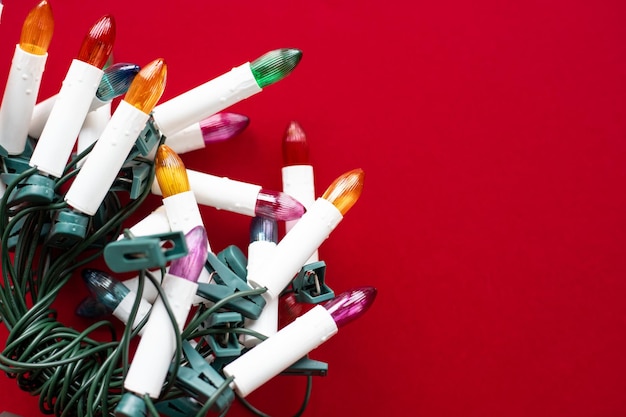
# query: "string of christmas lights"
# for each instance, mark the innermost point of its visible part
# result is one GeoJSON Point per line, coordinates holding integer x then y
{"type": "Point", "coordinates": [206, 323]}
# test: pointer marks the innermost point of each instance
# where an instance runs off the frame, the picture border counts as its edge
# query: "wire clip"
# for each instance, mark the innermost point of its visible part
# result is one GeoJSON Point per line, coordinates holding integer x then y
{"type": "Point", "coordinates": [227, 283]}
{"type": "Point", "coordinates": [131, 406]}
{"type": "Point", "coordinates": [145, 252]}
{"type": "Point", "coordinates": [225, 345]}
{"type": "Point", "coordinates": [68, 228]}
{"type": "Point", "coordinates": [309, 285]}
{"type": "Point", "coordinates": [201, 381]}
{"type": "Point", "coordinates": [234, 258]}
{"type": "Point", "coordinates": [35, 188]}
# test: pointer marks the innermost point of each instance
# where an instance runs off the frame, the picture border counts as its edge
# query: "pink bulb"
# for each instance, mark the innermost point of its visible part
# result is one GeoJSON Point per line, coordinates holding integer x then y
{"type": "Point", "coordinates": [190, 266]}
{"type": "Point", "coordinates": [350, 305]}
{"type": "Point", "coordinates": [222, 126]}
{"type": "Point", "coordinates": [278, 205]}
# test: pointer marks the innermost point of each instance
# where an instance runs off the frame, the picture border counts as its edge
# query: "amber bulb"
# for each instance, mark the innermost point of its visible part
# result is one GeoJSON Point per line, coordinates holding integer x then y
{"type": "Point", "coordinates": [37, 29]}
{"type": "Point", "coordinates": [345, 190]}
{"type": "Point", "coordinates": [98, 42]}
{"type": "Point", "coordinates": [170, 172]}
{"type": "Point", "coordinates": [147, 86]}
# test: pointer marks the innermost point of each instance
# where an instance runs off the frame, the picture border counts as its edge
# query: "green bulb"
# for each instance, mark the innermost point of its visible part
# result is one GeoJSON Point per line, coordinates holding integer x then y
{"type": "Point", "coordinates": [275, 65]}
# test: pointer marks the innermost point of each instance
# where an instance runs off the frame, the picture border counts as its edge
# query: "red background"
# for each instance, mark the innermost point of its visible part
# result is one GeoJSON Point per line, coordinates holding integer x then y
{"type": "Point", "coordinates": [492, 221]}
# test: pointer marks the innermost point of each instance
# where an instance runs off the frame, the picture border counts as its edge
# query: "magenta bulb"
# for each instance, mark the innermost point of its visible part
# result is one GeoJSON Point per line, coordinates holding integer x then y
{"type": "Point", "coordinates": [190, 265]}
{"type": "Point", "coordinates": [278, 206]}
{"type": "Point", "coordinates": [222, 126]}
{"type": "Point", "coordinates": [350, 305]}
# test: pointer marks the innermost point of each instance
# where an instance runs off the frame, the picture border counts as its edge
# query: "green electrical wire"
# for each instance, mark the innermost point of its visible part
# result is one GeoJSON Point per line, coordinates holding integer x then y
{"type": "Point", "coordinates": [73, 374]}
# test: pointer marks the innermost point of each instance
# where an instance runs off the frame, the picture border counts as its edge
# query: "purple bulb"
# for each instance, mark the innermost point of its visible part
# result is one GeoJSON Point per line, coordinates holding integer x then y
{"type": "Point", "coordinates": [278, 206]}
{"type": "Point", "coordinates": [222, 126]}
{"type": "Point", "coordinates": [350, 305]}
{"type": "Point", "coordinates": [263, 230]}
{"type": "Point", "coordinates": [190, 265]}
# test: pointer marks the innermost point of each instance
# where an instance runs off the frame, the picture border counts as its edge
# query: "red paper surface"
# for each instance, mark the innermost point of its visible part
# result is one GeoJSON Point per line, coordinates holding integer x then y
{"type": "Point", "coordinates": [493, 137]}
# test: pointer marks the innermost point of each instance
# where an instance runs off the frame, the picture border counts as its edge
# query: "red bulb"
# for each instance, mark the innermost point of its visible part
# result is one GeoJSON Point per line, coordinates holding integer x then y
{"type": "Point", "coordinates": [295, 146]}
{"type": "Point", "coordinates": [98, 42]}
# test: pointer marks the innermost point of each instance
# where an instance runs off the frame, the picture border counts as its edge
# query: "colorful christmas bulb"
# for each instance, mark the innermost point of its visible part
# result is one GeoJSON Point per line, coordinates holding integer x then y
{"type": "Point", "coordinates": [216, 128]}
{"type": "Point", "coordinates": [154, 353]}
{"type": "Point", "coordinates": [275, 65]}
{"type": "Point", "coordinates": [180, 203]}
{"type": "Point", "coordinates": [115, 296]}
{"type": "Point", "coordinates": [115, 82]}
{"type": "Point", "coordinates": [74, 100]}
{"type": "Point", "coordinates": [263, 239]}
{"type": "Point", "coordinates": [116, 141]}
{"type": "Point", "coordinates": [297, 172]}
{"type": "Point", "coordinates": [309, 233]}
{"type": "Point", "coordinates": [215, 95]}
{"type": "Point", "coordinates": [292, 342]}
{"type": "Point", "coordinates": [22, 87]}
{"type": "Point", "coordinates": [240, 197]}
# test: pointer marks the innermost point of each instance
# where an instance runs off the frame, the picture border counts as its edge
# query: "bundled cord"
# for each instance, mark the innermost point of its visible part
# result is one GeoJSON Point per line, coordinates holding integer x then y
{"type": "Point", "coordinates": [72, 373]}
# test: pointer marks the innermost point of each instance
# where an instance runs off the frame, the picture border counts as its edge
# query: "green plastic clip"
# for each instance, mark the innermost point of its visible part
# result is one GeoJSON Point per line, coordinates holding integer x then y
{"type": "Point", "coordinates": [178, 407]}
{"type": "Point", "coordinates": [224, 345]}
{"type": "Point", "coordinates": [15, 164]}
{"type": "Point", "coordinates": [201, 381]}
{"type": "Point", "coordinates": [228, 283]}
{"type": "Point", "coordinates": [35, 188]}
{"type": "Point", "coordinates": [146, 141]}
{"type": "Point", "coordinates": [14, 234]}
{"type": "Point", "coordinates": [307, 366]}
{"type": "Point", "coordinates": [131, 406]}
{"type": "Point", "coordinates": [68, 228]}
{"type": "Point", "coordinates": [309, 285]}
{"type": "Point", "coordinates": [134, 178]}
{"type": "Point", "coordinates": [234, 258]}
{"type": "Point", "coordinates": [145, 252]}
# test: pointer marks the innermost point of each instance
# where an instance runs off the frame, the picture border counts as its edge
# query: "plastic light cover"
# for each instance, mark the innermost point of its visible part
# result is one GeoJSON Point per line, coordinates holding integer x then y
{"type": "Point", "coordinates": [277, 205]}
{"type": "Point", "coordinates": [91, 308]}
{"type": "Point", "coordinates": [350, 305]}
{"type": "Point", "coordinates": [148, 86]}
{"type": "Point", "coordinates": [98, 42]}
{"type": "Point", "coordinates": [345, 190]}
{"type": "Point", "coordinates": [263, 230]}
{"type": "Point", "coordinates": [222, 126]}
{"type": "Point", "coordinates": [295, 146]}
{"type": "Point", "coordinates": [190, 266]}
{"type": "Point", "coordinates": [37, 29]}
{"type": "Point", "coordinates": [170, 172]}
{"type": "Point", "coordinates": [106, 289]}
{"type": "Point", "coordinates": [116, 80]}
{"type": "Point", "coordinates": [275, 65]}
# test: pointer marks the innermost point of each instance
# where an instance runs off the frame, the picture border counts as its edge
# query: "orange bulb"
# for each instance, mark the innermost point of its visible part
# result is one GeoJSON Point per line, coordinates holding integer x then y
{"type": "Point", "coordinates": [98, 43]}
{"type": "Point", "coordinates": [170, 172]}
{"type": "Point", "coordinates": [37, 29]}
{"type": "Point", "coordinates": [345, 190]}
{"type": "Point", "coordinates": [147, 86]}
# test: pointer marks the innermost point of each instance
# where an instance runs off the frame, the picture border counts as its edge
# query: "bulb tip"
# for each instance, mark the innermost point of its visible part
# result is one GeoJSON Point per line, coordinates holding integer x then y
{"type": "Point", "coordinates": [275, 65]}
{"type": "Point", "coordinates": [190, 266]}
{"type": "Point", "coordinates": [278, 205]}
{"type": "Point", "coordinates": [263, 229]}
{"type": "Point", "coordinates": [91, 308]}
{"type": "Point", "coordinates": [295, 146]}
{"type": "Point", "coordinates": [223, 126]}
{"type": "Point", "coordinates": [98, 43]}
{"type": "Point", "coordinates": [350, 305]}
{"type": "Point", "coordinates": [116, 80]}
